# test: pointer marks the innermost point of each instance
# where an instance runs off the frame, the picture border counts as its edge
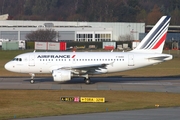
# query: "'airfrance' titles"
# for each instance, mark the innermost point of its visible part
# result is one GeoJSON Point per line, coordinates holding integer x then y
{"type": "Point", "coordinates": [53, 56]}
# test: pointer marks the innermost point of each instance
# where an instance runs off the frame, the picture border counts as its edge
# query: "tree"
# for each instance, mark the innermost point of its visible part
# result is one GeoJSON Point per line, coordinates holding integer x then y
{"type": "Point", "coordinates": [42, 35]}
{"type": "Point", "coordinates": [127, 10]}
{"type": "Point", "coordinates": [141, 16]}
{"type": "Point", "coordinates": [175, 16]}
{"type": "Point", "coordinates": [154, 15]}
{"type": "Point", "coordinates": [28, 7]}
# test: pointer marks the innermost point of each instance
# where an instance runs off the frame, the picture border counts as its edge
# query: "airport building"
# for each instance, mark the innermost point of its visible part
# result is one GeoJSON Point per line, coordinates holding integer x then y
{"type": "Point", "coordinates": [73, 31]}
{"type": "Point", "coordinates": [81, 31]}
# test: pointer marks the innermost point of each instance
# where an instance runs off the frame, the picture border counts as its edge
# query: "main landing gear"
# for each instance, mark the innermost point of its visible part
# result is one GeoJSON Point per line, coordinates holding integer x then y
{"type": "Point", "coordinates": [32, 78]}
{"type": "Point", "coordinates": [87, 79]}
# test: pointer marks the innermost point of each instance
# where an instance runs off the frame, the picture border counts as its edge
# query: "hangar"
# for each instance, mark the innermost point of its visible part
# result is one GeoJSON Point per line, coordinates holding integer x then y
{"type": "Point", "coordinates": [73, 30]}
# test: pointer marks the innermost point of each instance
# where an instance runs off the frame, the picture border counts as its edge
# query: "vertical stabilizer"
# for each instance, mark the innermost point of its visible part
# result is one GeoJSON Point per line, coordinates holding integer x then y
{"type": "Point", "coordinates": [154, 41]}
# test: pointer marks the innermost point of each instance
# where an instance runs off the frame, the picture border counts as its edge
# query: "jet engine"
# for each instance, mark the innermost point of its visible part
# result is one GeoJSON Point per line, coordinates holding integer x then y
{"type": "Point", "coordinates": [61, 75]}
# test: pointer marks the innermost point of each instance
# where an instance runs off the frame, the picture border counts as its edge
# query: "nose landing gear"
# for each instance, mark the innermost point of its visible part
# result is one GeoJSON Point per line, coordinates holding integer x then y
{"type": "Point", "coordinates": [32, 78]}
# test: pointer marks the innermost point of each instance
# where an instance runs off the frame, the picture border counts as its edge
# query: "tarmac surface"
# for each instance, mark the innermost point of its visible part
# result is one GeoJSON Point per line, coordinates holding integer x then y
{"type": "Point", "coordinates": [148, 84]}
{"type": "Point", "coordinates": [148, 114]}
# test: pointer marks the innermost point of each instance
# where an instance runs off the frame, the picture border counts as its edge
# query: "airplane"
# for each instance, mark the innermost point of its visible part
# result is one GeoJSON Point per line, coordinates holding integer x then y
{"type": "Point", "coordinates": [66, 65]}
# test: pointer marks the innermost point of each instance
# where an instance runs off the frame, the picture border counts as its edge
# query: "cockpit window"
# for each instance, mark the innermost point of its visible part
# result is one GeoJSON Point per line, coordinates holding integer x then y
{"type": "Point", "coordinates": [17, 59]}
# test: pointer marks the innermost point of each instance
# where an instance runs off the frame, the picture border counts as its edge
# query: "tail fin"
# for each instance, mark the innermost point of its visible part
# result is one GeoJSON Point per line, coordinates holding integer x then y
{"type": "Point", "coordinates": [154, 41]}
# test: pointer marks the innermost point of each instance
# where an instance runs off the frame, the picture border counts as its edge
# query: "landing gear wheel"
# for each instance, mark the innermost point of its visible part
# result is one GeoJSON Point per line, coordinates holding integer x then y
{"type": "Point", "coordinates": [87, 81]}
{"type": "Point", "coordinates": [32, 78]}
{"type": "Point", "coordinates": [32, 81]}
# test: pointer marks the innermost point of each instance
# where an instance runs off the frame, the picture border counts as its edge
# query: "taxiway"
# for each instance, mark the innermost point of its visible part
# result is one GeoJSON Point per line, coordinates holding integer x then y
{"type": "Point", "coordinates": [148, 84]}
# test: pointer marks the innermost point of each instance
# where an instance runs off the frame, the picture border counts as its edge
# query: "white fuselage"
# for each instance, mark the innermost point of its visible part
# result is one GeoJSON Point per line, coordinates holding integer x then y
{"type": "Point", "coordinates": [45, 62]}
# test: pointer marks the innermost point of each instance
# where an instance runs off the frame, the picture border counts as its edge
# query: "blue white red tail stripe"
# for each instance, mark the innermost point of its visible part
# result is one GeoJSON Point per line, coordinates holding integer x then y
{"type": "Point", "coordinates": [155, 39]}
{"type": "Point", "coordinates": [160, 41]}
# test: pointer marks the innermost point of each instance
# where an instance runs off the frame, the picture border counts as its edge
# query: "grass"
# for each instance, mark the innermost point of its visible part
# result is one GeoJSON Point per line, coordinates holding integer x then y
{"type": "Point", "coordinates": [37, 103]}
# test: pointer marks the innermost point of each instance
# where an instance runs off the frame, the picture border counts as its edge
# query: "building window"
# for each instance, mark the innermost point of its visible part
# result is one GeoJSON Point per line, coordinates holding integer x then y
{"type": "Point", "coordinates": [84, 37]}
{"type": "Point", "coordinates": [102, 37]}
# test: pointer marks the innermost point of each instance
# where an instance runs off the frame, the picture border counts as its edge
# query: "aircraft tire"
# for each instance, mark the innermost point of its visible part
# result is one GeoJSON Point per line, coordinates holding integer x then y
{"type": "Point", "coordinates": [87, 81]}
{"type": "Point", "coordinates": [32, 81]}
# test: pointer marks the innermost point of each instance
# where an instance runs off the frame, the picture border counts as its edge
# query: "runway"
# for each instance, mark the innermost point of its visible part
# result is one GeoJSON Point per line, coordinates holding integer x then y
{"type": "Point", "coordinates": [148, 84]}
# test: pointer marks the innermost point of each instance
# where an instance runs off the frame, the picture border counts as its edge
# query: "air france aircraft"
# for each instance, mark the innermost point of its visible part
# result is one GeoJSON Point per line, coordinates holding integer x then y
{"type": "Point", "coordinates": [65, 65]}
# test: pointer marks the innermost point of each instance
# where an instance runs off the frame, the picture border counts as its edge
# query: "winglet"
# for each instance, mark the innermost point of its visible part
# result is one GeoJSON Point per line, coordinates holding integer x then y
{"type": "Point", "coordinates": [154, 41]}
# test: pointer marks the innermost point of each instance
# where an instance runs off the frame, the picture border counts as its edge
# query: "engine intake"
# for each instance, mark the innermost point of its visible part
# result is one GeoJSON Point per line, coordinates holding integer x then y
{"type": "Point", "coordinates": [61, 75]}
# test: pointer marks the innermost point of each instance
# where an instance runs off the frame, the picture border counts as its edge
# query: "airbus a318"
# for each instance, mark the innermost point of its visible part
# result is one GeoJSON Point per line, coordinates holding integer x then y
{"type": "Point", "coordinates": [66, 65]}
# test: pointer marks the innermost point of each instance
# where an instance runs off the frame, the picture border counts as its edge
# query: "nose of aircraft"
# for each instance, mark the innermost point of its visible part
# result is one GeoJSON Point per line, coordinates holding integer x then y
{"type": "Point", "coordinates": [11, 66]}
{"type": "Point", "coordinates": [7, 66]}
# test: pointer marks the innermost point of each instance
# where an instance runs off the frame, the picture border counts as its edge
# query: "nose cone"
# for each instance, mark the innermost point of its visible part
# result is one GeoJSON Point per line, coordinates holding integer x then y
{"type": "Point", "coordinates": [7, 66]}
{"type": "Point", "coordinates": [10, 66]}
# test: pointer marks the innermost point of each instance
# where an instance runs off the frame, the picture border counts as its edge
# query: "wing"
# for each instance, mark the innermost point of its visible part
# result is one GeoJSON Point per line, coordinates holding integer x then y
{"type": "Point", "coordinates": [89, 69]}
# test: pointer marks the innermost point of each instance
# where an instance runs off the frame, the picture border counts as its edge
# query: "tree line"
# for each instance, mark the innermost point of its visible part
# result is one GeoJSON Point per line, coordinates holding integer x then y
{"type": "Point", "coordinates": [148, 11]}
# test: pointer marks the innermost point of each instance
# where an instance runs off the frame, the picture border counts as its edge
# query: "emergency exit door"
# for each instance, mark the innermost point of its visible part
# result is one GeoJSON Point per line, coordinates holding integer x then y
{"type": "Point", "coordinates": [130, 60]}
{"type": "Point", "coordinates": [31, 60]}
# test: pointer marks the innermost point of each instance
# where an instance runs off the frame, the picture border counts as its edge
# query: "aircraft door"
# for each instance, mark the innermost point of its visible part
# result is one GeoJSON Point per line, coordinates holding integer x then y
{"type": "Point", "coordinates": [130, 60]}
{"type": "Point", "coordinates": [31, 60]}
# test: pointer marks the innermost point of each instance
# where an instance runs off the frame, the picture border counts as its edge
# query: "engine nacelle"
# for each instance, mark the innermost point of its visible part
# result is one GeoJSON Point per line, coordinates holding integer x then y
{"type": "Point", "coordinates": [61, 75]}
